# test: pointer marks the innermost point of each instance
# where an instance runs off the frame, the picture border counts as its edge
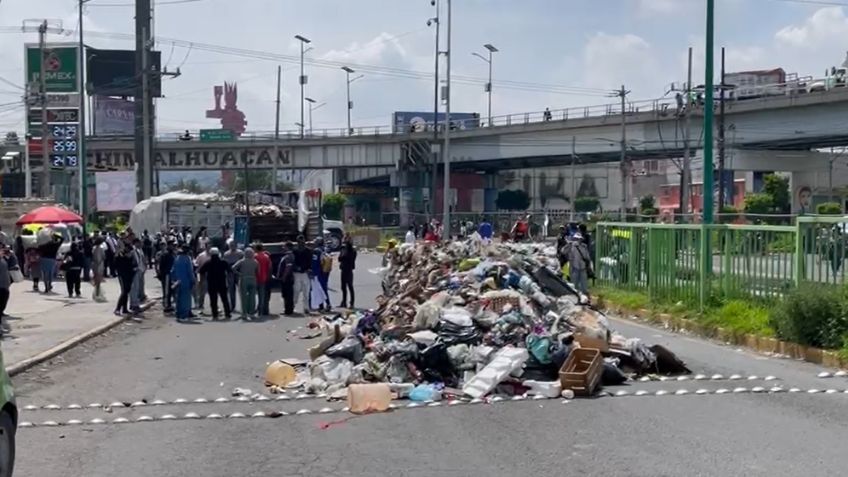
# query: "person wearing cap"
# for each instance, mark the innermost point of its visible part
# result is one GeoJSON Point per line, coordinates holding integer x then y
{"type": "Point", "coordinates": [231, 256]}
{"type": "Point", "coordinates": [246, 268]}
{"type": "Point", "coordinates": [215, 272]}
{"type": "Point", "coordinates": [182, 276]}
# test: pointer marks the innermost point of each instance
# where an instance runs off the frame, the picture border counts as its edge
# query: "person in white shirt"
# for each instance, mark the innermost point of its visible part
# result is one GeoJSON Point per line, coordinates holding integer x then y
{"type": "Point", "coordinates": [410, 235]}
{"type": "Point", "coordinates": [200, 291]}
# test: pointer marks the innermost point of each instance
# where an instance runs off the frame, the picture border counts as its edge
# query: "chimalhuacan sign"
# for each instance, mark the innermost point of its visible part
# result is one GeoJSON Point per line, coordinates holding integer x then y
{"type": "Point", "coordinates": [199, 159]}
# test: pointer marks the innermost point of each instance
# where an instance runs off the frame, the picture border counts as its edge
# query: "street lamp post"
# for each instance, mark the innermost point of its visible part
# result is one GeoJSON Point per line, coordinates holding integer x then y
{"type": "Point", "coordinates": [302, 80]}
{"type": "Point", "coordinates": [488, 88]}
{"type": "Point", "coordinates": [348, 71]}
{"type": "Point", "coordinates": [446, 212]}
{"type": "Point", "coordinates": [312, 107]}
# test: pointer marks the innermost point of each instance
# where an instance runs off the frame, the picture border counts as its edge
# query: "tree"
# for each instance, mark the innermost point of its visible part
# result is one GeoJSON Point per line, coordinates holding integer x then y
{"type": "Point", "coordinates": [191, 186]}
{"type": "Point", "coordinates": [257, 180]}
{"type": "Point", "coordinates": [333, 205]}
{"type": "Point", "coordinates": [586, 204]}
{"type": "Point", "coordinates": [760, 203]}
{"type": "Point", "coordinates": [778, 188]}
{"type": "Point", "coordinates": [513, 200]}
{"type": "Point", "coordinates": [587, 187]}
{"type": "Point", "coordinates": [829, 208]}
{"type": "Point", "coordinates": [647, 206]}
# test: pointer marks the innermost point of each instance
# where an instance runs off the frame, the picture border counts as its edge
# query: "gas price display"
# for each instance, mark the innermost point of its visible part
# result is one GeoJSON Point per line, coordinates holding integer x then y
{"type": "Point", "coordinates": [64, 145]}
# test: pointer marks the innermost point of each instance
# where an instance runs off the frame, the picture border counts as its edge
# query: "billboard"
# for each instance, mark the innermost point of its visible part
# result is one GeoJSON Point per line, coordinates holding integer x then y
{"type": "Point", "coordinates": [113, 72]}
{"type": "Point", "coordinates": [60, 67]}
{"type": "Point", "coordinates": [115, 191]}
{"type": "Point", "coordinates": [113, 117]}
{"type": "Point", "coordinates": [412, 121]}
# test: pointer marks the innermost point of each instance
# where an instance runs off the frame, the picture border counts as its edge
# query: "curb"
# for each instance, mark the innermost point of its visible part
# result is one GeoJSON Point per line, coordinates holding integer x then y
{"type": "Point", "coordinates": [21, 366]}
{"type": "Point", "coordinates": [757, 344]}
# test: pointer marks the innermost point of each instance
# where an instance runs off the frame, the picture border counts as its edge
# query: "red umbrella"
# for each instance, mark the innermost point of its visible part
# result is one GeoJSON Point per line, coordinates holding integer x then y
{"type": "Point", "coordinates": [49, 215]}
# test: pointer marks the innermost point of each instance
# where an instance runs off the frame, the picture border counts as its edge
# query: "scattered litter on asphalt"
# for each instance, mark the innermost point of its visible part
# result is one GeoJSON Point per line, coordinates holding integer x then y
{"type": "Point", "coordinates": [467, 319]}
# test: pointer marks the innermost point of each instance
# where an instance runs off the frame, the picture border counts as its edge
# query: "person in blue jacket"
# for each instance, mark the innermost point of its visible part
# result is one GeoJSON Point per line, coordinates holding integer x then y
{"type": "Point", "coordinates": [182, 274]}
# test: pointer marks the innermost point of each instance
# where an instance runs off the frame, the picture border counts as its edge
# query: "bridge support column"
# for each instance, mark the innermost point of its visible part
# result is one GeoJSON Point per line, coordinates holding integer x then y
{"type": "Point", "coordinates": [490, 192]}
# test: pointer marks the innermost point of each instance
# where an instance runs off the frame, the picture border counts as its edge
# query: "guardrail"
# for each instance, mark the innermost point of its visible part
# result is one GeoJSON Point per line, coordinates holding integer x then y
{"type": "Point", "coordinates": [661, 107]}
{"type": "Point", "coordinates": [701, 263]}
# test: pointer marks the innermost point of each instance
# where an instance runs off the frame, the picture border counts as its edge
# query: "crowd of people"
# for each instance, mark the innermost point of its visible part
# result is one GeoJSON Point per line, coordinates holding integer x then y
{"type": "Point", "coordinates": [189, 266]}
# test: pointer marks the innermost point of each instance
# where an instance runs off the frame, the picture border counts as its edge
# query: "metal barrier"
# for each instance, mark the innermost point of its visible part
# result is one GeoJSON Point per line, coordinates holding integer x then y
{"type": "Point", "coordinates": [703, 263]}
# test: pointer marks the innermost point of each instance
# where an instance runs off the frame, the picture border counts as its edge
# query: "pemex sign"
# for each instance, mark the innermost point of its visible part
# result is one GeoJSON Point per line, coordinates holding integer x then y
{"type": "Point", "coordinates": [61, 67]}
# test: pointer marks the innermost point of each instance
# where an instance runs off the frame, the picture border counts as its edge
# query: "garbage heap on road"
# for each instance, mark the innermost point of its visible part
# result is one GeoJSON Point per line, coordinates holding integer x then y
{"type": "Point", "coordinates": [463, 319]}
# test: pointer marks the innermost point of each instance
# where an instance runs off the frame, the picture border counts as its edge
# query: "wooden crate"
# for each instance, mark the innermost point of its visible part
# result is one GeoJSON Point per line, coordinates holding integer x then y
{"type": "Point", "coordinates": [581, 372]}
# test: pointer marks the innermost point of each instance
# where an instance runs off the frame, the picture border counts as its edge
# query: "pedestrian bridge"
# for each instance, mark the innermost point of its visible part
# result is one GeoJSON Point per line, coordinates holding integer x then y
{"type": "Point", "coordinates": [654, 129]}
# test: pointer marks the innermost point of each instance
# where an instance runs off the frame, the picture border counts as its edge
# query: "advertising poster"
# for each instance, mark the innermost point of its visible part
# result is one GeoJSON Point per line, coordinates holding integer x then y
{"type": "Point", "coordinates": [115, 191]}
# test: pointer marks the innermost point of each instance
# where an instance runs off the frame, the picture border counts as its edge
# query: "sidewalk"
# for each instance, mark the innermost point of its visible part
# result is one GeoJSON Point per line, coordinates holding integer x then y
{"type": "Point", "coordinates": [43, 324]}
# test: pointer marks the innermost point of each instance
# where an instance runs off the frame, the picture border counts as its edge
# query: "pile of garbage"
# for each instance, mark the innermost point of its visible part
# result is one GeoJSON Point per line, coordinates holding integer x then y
{"type": "Point", "coordinates": [467, 319]}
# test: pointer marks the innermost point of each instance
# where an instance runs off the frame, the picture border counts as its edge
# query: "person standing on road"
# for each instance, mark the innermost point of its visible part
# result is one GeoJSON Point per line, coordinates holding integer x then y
{"type": "Point", "coordinates": [125, 269]}
{"type": "Point", "coordinates": [47, 253]}
{"type": "Point", "coordinates": [111, 251]}
{"type": "Point", "coordinates": [200, 292]}
{"type": "Point", "coordinates": [137, 294]}
{"type": "Point", "coordinates": [302, 270]}
{"type": "Point", "coordinates": [347, 263]}
{"type": "Point", "coordinates": [33, 266]}
{"type": "Point", "coordinates": [72, 265]}
{"type": "Point", "coordinates": [87, 250]}
{"type": "Point", "coordinates": [8, 262]}
{"type": "Point", "coordinates": [231, 256]}
{"type": "Point", "coordinates": [285, 273]}
{"type": "Point", "coordinates": [164, 265]}
{"type": "Point", "coordinates": [579, 264]}
{"type": "Point", "coordinates": [247, 268]}
{"type": "Point", "coordinates": [182, 276]}
{"type": "Point", "coordinates": [98, 268]}
{"type": "Point", "coordinates": [147, 248]}
{"type": "Point", "coordinates": [322, 265]}
{"type": "Point", "coordinates": [263, 280]}
{"type": "Point", "coordinates": [215, 272]}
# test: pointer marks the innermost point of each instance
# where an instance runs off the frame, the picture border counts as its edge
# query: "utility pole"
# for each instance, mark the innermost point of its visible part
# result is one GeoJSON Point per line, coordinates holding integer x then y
{"type": "Point", "coordinates": [622, 93]}
{"type": "Point", "coordinates": [686, 179]}
{"type": "Point", "coordinates": [721, 185]}
{"type": "Point", "coordinates": [82, 160]}
{"type": "Point", "coordinates": [348, 71]}
{"type": "Point", "coordinates": [446, 212]}
{"type": "Point", "coordinates": [573, 161]}
{"type": "Point", "coordinates": [143, 16]}
{"type": "Point", "coordinates": [302, 79]}
{"type": "Point", "coordinates": [276, 133]}
{"type": "Point", "coordinates": [42, 96]}
{"type": "Point", "coordinates": [433, 155]}
{"type": "Point", "coordinates": [708, 115]}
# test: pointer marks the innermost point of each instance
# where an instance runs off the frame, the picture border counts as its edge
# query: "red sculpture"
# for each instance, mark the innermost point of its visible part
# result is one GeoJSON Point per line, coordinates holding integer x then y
{"type": "Point", "coordinates": [231, 117]}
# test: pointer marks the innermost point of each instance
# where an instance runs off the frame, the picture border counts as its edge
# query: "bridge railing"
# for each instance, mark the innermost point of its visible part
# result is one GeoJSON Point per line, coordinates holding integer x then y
{"type": "Point", "coordinates": [699, 263]}
{"type": "Point", "coordinates": [660, 107]}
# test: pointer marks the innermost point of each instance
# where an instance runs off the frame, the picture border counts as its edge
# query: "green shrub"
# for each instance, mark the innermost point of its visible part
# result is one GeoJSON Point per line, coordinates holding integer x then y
{"type": "Point", "coordinates": [740, 317]}
{"type": "Point", "coordinates": [829, 208]}
{"type": "Point", "coordinates": [813, 315]}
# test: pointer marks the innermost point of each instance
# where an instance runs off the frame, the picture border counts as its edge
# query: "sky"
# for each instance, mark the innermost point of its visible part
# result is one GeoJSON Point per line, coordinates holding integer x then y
{"type": "Point", "coordinates": [552, 53]}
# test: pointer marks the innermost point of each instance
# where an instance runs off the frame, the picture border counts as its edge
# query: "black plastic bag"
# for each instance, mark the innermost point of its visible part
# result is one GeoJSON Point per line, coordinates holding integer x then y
{"type": "Point", "coordinates": [349, 348]}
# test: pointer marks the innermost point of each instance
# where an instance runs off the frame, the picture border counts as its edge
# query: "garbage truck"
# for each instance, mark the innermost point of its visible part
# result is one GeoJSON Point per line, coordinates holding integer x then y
{"type": "Point", "coordinates": [269, 217]}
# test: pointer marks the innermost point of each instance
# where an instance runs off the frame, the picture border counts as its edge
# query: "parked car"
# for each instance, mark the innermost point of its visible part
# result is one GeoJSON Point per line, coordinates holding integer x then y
{"type": "Point", "coordinates": [8, 422]}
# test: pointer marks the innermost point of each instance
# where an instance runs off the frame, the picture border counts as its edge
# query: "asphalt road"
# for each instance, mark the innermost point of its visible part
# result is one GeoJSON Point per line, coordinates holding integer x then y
{"type": "Point", "coordinates": [653, 435]}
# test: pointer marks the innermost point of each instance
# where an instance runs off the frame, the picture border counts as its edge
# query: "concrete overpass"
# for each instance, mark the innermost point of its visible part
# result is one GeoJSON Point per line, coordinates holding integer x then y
{"type": "Point", "coordinates": [799, 121]}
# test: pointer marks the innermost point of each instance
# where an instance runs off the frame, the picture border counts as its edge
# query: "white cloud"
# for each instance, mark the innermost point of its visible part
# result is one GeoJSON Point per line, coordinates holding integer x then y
{"type": "Point", "coordinates": [613, 60]}
{"type": "Point", "coordinates": [826, 26]}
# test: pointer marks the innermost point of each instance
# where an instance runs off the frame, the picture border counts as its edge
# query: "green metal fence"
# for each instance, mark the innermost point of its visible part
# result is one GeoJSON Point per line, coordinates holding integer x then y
{"type": "Point", "coordinates": [698, 264]}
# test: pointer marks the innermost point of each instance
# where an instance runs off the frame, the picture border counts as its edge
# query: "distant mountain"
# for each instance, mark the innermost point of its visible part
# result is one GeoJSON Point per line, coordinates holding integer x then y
{"type": "Point", "coordinates": [207, 179]}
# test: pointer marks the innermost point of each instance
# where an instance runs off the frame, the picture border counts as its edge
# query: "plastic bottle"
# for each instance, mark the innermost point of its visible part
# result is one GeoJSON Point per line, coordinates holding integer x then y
{"type": "Point", "coordinates": [366, 398]}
